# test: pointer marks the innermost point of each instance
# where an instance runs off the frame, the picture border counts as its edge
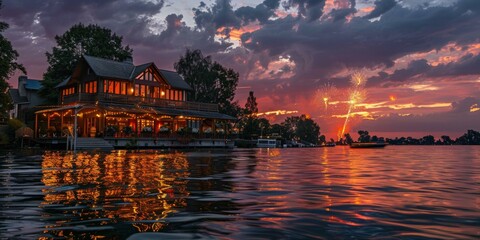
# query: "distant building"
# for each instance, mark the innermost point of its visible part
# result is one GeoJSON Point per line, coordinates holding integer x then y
{"type": "Point", "coordinates": [25, 97]}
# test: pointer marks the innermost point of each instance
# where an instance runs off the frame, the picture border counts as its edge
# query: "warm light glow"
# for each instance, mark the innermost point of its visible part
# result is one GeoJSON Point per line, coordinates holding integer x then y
{"type": "Point", "coordinates": [162, 93]}
{"type": "Point", "coordinates": [392, 98]}
{"type": "Point", "coordinates": [277, 112]}
{"type": "Point", "coordinates": [423, 87]}
{"type": "Point", "coordinates": [131, 90]}
{"type": "Point", "coordinates": [474, 108]}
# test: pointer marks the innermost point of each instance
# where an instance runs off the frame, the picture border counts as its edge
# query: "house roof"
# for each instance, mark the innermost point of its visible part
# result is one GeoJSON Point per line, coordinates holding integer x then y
{"type": "Point", "coordinates": [33, 84]}
{"type": "Point", "coordinates": [175, 80]}
{"type": "Point", "coordinates": [63, 83]}
{"type": "Point", "coordinates": [16, 98]}
{"type": "Point", "coordinates": [126, 70]}
{"type": "Point", "coordinates": [109, 68]}
{"type": "Point", "coordinates": [139, 69]}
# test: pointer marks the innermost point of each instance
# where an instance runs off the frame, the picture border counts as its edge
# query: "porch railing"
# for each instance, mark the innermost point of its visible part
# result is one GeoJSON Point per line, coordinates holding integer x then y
{"type": "Point", "coordinates": [128, 99]}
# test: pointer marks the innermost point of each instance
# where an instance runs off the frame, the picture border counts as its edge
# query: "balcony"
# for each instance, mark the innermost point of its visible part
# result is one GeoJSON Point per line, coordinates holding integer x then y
{"type": "Point", "coordinates": [128, 99]}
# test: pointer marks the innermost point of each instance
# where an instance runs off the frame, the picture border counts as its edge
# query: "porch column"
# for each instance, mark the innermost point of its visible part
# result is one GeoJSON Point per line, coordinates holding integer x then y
{"type": "Point", "coordinates": [48, 121]}
{"type": "Point", "coordinates": [61, 121]}
{"type": "Point", "coordinates": [35, 134]}
{"type": "Point", "coordinates": [225, 128]}
{"type": "Point", "coordinates": [214, 128]}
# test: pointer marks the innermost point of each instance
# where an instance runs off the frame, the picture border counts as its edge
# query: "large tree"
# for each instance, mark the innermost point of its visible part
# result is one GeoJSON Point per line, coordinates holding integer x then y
{"type": "Point", "coordinates": [211, 82]}
{"type": "Point", "coordinates": [8, 66]}
{"type": "Point", "coordinates": [79, 40]}
{"type": "Point", "coordinates": [301, 128]}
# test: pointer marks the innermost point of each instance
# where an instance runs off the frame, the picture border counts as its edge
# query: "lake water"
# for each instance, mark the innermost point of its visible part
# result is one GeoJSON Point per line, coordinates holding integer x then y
{"type": "Point", "coordinates": [400, 192]}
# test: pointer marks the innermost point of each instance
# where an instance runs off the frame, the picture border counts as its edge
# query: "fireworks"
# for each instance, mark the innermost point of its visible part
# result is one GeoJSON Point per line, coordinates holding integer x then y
{"type": "Point", "coordinates": [357, 95]}
{"type": "Point", "coordinates": [325, 93]}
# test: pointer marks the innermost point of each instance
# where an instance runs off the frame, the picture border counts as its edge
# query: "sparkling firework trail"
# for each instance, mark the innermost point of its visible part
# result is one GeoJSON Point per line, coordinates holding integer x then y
{"type": "Point", "coordinates": [325, 93]}
{"type": "Point", "coordinates": [356, 96]}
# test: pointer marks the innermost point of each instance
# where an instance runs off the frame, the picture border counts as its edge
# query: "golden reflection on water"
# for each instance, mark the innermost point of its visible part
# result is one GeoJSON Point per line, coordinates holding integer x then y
{"type": "Point", "coordinates": [137, 187]}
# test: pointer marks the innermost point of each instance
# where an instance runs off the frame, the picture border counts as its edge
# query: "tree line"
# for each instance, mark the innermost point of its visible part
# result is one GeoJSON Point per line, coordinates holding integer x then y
{"type": "Point", "coordinates": [471, 137]}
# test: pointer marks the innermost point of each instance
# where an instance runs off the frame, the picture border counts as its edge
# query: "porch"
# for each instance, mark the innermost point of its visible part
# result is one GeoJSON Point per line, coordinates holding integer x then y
{"type": "Point", "coordinates": [114, 120]}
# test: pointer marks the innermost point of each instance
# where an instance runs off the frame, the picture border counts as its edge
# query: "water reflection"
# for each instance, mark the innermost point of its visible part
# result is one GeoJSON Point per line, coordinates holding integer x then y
{"type": "Point", "coordinates": [93, 190]}
{"type": "Point", "coordinates": [327, 193]}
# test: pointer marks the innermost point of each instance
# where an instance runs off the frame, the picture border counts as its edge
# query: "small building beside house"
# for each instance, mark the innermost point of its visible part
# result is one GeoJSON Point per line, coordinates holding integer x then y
{"type": "Point", "coordinates": [129, 104]}
{"type": "Point", "coordinates": [25, 98]}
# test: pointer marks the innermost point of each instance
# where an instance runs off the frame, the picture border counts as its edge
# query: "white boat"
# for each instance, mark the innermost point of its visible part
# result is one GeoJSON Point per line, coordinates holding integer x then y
{"type": "Point", "coordinates": [266, 143]}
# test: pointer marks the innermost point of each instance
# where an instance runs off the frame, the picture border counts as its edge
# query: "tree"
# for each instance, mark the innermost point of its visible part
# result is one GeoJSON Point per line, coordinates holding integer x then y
{"type": "Point", "coordinates": [211, 82]}
{"type": "Point", "coordinates": [251, 105]}
{"type": "Point", "coordinates": [307, 130]}
{"type": "Point", "coordinates": [472, 137]}
{"type": "Point", "coordinates": [446, 140]}
{"type": "Point", "coordinates": [251, 125]}
{"type": "Point", "coordinates": [364, 136]}
{"type": "Point", "coordinates": [428, 140]}
{"type": "Point", "coordinates": [301, 128]}
{"type": "Point", "coordinates": [8, 66]}
{"type": "Point", "coordinates": [79, 40]}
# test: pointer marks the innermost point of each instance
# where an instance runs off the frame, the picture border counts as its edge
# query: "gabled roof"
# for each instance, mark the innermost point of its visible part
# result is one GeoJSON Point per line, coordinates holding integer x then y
{"type": "Point", "coordinates": [16, 98]}
{"type": "Point", "coordinates": [33, 84]}
{"type": "Point", "coordinates": [109, 68]}
{"type": "Point", "coordinates": [126, 70]}
{"type": "Point", "coordinates": [175, 80]}
{"type": "Point", "coordinates": [63, 83]}
{"type": "Point", "coordinates": [139, 69]}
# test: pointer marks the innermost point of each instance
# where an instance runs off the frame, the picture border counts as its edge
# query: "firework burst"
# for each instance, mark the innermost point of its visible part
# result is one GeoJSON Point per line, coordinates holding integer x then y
{"type": "Point", "coordinates": [356, 96]}
{"type": "Point", "coordinates": [326, 93]}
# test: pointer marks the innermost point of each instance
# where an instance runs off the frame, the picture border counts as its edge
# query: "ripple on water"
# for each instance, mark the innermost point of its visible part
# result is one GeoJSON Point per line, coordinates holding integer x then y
{"type": "Point", "coordinates": [322, 193]}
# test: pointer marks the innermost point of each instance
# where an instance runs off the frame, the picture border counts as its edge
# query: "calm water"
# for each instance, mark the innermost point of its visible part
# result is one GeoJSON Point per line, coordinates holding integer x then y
{"type": "Point", "coordinates": [400, 192]}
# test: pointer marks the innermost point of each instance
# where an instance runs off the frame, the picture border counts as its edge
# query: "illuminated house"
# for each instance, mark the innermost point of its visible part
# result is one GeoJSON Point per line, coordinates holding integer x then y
{"type": "Point", "coordinates": [118, 100]}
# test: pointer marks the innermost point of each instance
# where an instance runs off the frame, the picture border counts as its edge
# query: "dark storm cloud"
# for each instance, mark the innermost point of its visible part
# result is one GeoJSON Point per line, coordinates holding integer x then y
{"type": "Point", "coordinates": [413, 69]}
{"type": "Point", "coordinates": [322, 48]}
{"type": "Point", "coordinates": [57, 16]}
{"type": "Point", "coordinates": [420, 69]}
{"type": "Point", "coordinates": [467, 65]}
{"type": "Point", "coordinates": [381, 7]}
{"type": "Point", "coordinates": [310, 9]}
{"type": "Point", "coordinates": [465, 104]}
{"type": "Point", "coordinates": [221, 14]}
{"type": "Point", "coordinates": [272, 4]}
{"type": "Point", "coordinates": [249, 14]}
{"type": "Point", "coordinates": [341, 14]}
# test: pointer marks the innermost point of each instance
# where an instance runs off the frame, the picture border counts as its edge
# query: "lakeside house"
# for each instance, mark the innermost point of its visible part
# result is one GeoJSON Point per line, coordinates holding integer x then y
{"type": "Point", "coordinates": [120, 101]}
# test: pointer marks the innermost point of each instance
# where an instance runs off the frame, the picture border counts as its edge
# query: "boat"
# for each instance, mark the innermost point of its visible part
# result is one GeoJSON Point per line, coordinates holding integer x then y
{"type": "Point", "coordinates": [368, 145]}
{"type": "Point", "coordinates": [266, 143]}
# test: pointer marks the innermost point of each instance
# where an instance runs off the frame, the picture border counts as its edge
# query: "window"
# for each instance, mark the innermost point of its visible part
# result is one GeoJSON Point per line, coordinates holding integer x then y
{"type": "Point", "coordinates": [110, 86]}
{"type": "Point", "coordinates": [68, 91]}
{"type": "Point", "coordinates": [123, 88]}
{"type": "Point", "coordinates": [142, 90]}
{"type": "Point", "coordinates": [117, 88]}
{"type": "Point", "coordinates": [137, 90]}
{"type": "Point", "coordinates": [90, 87]}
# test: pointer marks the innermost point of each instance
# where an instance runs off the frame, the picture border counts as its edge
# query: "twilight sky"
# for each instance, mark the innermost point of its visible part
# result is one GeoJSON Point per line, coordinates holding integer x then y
{"type": "Point", "coordinates": [420, 58]}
